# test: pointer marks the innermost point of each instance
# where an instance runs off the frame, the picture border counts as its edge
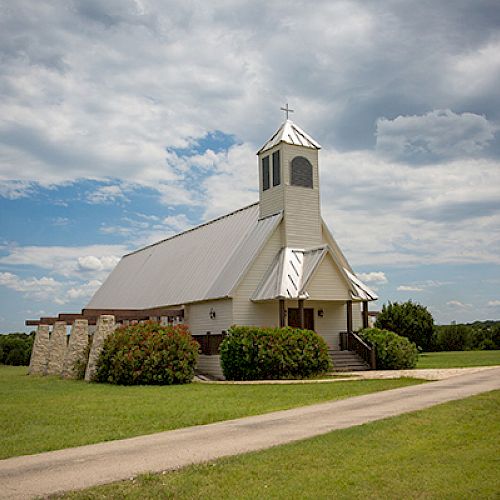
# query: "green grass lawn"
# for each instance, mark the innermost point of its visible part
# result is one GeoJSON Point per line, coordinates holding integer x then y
{"type": "Point", "coordinates": [458, 359]}
{"type": "Point", "coordinates": [47, 413]}
{"type": "Point", "coordinates": [448, 451]}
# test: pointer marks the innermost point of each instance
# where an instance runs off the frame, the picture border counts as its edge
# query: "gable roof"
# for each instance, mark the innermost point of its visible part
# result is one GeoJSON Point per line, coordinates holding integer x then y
{"type": "Point", "coordinates": [293, 269]}
{"type": "Point", "coordinates": [203, 263]}
{"type": "Point", "coordinates": [291, 134]}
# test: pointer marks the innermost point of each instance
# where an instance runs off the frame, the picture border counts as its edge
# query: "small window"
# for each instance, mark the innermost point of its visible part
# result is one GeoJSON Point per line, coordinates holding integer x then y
{"type": "Point", "coordinates": [276, 169]}
{"type": "Point", "coordinates": [265, 173]}
{"type": "Point", "coordinates": [301, 172]}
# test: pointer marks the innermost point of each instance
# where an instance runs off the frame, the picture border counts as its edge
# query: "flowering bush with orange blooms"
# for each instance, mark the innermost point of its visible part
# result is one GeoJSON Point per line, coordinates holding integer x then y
{"type": "Point", "coordinates": [148, 354]}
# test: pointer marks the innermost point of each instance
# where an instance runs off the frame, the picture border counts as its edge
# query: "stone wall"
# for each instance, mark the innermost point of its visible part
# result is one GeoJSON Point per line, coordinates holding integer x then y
{"type": "Point", "coordinates": [105, 326]}
{"type": "Point", "coordinates": [77, 350]}
{"type": "Point", "coordinates": [40, 352]}
{"type": "Point", "coordinates": [57, 348]}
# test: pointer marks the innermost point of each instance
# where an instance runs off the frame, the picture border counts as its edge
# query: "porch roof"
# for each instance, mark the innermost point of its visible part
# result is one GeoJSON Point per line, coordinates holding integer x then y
{"type": "Point", "coordinates": [292, 270]}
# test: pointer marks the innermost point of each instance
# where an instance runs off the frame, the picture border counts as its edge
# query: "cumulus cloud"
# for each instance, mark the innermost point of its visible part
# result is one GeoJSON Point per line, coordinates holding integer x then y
{"type": "Point", "coordinates": [107, 194]}
{"type": "Point", "coordinates": [85, 290]}
{"type": "Point", "coordinates": [65, 261]}
{"type": "Point", "coordinates": [44, 288]}
{"type": "Point", "coordinates": [377, 277]}
{"type": "Point", "coordinates": [409, 288]}
{"type": "Point", "coordinates": [92, 263]}
{"type": "Point", "coordinates": [435, 135]}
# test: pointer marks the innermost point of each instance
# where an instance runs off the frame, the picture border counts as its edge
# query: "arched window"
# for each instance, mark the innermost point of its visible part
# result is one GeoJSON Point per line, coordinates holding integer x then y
{"type": "Point", "coordinates": [301, 172]}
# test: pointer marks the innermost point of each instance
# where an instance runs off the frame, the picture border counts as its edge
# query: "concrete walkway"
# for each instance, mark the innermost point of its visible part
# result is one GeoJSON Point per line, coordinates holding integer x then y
{"type": "Point", "coordinates": [85, 466]}
{"type": "Point", "coordinates": [419, 373]}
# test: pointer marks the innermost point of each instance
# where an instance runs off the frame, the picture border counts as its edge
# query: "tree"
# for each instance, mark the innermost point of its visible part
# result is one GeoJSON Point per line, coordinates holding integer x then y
{"type": "Point", "coordinates": [453, 338]}
{"type": "Point", "coordinates": [410, 320]}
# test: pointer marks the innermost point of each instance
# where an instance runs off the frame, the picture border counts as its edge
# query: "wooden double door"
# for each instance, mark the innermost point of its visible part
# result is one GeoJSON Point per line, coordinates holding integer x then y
{"type": "Point", "coordinates": [294, 318]}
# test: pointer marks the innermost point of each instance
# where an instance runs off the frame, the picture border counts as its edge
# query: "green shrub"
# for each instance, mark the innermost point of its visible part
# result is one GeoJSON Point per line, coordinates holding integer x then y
{"type": "Point", "coordinates": [453, 338]}
{"type": "Point", "coordinates": [252, 353]}
{"type": "Point", "coordinates": [148, 354]}
{"type": "Point", "coordinates": [392, 351]}
{"type": "Point", "coordinates": [15, 348]}
{"type": "Point", "coordinates": [409, 320]}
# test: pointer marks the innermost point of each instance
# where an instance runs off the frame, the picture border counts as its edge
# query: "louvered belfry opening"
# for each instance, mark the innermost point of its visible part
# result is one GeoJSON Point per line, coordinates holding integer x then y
{"type": "Point", "coordinates": [301, 173]}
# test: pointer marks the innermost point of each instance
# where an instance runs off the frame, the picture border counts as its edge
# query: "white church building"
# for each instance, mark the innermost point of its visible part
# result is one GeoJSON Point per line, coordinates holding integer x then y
{"type": "Point", "coordinates": [273, 263]}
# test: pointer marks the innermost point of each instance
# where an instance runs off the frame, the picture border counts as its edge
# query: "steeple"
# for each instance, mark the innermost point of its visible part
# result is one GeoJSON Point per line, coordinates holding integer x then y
{"type": "Point", "coordinates": [289, 182]}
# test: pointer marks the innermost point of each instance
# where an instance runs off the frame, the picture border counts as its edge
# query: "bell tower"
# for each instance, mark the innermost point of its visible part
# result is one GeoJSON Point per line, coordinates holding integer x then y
{"type": "Point", "coordinates": [289, 182]}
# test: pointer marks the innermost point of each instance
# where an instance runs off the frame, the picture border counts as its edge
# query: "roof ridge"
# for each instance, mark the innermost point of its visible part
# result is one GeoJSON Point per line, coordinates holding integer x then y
{"type": "Point", "coordinates": [192, 229]}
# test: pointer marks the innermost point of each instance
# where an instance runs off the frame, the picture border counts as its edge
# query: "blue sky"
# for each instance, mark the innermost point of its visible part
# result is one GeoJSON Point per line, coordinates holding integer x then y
{"type": "Point", "coordinates": [123, 122]}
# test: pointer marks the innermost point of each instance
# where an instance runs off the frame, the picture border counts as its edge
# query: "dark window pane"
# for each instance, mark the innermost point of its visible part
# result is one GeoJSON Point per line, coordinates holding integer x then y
{"type": "Point", "coordinates": [301, 172]}
{"type": "Point", "coordinates": [265, 173]}
{"type": "Point", "coordinates": [276, 169]}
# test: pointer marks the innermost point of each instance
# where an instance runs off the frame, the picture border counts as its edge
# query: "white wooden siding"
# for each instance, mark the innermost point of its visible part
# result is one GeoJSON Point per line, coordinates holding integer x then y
{"type": "Point", "coordinates": [328, 283]}
{"type": "Point", "coordinates": [197, 316]}
{"type": "Point", "coordinates": [302, 205]}
{"type": "Point", "coordinates": [246, 312]}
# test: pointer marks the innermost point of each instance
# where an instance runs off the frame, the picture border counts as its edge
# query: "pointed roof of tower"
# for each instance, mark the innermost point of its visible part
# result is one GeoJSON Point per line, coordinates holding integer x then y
{"type": "Point", "coordinates": [291, 134]}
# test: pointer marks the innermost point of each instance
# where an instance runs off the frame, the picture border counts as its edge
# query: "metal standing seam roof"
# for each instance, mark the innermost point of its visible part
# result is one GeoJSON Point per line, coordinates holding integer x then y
{"type": "Point", "coordinates": [361, 291]}
{"type": "Point", "coordinates": [293, 268]}
{"type": "Point", "coordinates": [202, 263]}
{"type": "Point", "coordinates": [291, 134]}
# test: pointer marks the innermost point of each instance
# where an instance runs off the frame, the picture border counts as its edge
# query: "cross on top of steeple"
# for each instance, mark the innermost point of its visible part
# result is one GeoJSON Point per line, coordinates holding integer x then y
{"type": "Point", "coordinates": [287, 110]}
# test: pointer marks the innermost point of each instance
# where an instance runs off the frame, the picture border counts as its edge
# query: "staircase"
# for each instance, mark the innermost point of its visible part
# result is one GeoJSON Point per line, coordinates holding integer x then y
{"type": "Point", "coordinates": [347, 361]}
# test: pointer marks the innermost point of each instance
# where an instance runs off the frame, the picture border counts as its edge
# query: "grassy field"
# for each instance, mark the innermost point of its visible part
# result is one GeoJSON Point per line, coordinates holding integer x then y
{"type": "Point", "coordinates": [46, 413]}
{"type": "Point", "coordinates": [457, 359]}
{"type": "Point", "coordinates": [448, 451]}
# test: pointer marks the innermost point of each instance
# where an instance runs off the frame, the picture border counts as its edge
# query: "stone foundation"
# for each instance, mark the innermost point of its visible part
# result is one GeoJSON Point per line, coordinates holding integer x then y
{"type": "Point", "coordinates": [57, 348]}
{"type": "Point", "coordinates": [76, 351]}
{"type": "Point", "coordinates": [40, 352]}
{"type": "Point", "coordinates": [105, 326]}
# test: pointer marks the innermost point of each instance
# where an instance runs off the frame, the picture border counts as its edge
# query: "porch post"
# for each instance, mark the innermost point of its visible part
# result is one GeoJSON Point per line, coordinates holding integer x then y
{"type": "Point", "coordinates": [365, 314]}
{"type": "Point", "coordinates": [282, 312]}
{"type": "Point", "coordinates": [349, 316]}
{"type": "Point", "coordinates": [301, 313]}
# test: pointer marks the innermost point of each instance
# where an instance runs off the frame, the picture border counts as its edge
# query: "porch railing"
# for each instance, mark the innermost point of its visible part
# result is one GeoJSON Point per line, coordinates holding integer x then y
{"type": "Point", "coordinates": [210, 342]}
{"type": "Point", "coordinates": [350, 341]}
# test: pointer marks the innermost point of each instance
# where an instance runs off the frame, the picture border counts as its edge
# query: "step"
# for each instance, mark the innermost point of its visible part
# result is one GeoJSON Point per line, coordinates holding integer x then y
{"type": "Point", "coordinates": [347, 361]}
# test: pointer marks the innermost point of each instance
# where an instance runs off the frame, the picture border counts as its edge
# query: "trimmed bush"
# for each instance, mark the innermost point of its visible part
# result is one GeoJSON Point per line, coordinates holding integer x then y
{"type": "Point", "coordinates": [15, 348]}
{"type": "Point", "coordinates": [393, 352]}
{"type": "Point", "coordinates": [410, 320]}
{"type": "Point", "coordinates": [252, 353]}
{"type": "Point", "coordinates": [148, 354]}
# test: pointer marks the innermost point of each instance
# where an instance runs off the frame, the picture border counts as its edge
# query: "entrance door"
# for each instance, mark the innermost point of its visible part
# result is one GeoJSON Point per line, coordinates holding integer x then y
{"type": "Point", "coordinates": [294, 318]}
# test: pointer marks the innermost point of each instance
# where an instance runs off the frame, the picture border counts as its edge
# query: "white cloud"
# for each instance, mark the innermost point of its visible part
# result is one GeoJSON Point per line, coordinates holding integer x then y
{"type": "Point", "coordinates": [13, 190]}
{"type": "Point", "coordinates": [177, 223]}
{"type": "Point", "coordinates": [494, 303]}
{"type": "Point", "coordinates": [92, 263]}
{"type": "Point", "coordinates": [85, 290]}
{"type": "Point", "coordinates": [47, 289]}
{"type": "Point", "coordinates": [44, 288]}
{"type": "Point", "coordinates": [107, 194]}
{"type": "Point", "coordinates": [458, 305]}
{"type": "Point", "coordinates": [97, 260]}
{"type": "Point", "coordinates": [439, 133]}
{"type": "Point", "coordinates": [377, 277]}
{"type": "Point", "coordinates": [409, 288]}
{"type": "Point", "coordinates": [60, 221]}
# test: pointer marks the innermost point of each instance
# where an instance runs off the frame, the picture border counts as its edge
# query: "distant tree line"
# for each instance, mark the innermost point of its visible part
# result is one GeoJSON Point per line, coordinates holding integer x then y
{"type": "Point", "coordinates": [15, 348]}
{"type": "Point", "coordinates": [481, 335]}
{"type": "Point", "coordinates": [415, 322]}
